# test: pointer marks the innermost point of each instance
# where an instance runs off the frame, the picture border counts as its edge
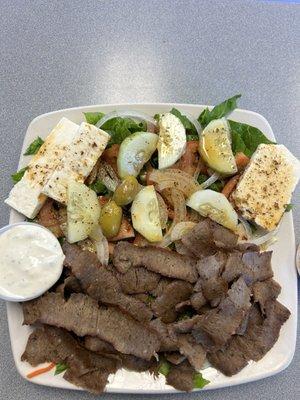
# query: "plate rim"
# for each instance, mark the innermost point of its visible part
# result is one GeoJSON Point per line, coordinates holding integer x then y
{"type": "Point", "coordinates": [259, 375]}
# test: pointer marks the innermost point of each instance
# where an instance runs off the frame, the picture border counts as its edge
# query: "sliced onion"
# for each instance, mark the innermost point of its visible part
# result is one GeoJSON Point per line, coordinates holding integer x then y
{"type": "Point", "coordinates": [194, 121]}
{"type": "Point", "coordinates": [264, 238]}
{"type": "Point", "coordinates": [179, 207]}
{"type": "Point", "coordinates": [181, 229]}
{"type": "Point", "coordinates": [107, 176]}
{"type": "Point", "coordinates": [166, 241]}
{"type": "Point", "coordinates": [268, 243]}
{"type": "Point", "coordinates": [260, 237]}
{"type": "Point", "coordinates": [179, 215]}
{"type": "Point", "coordinates": [101, 245]}
{"type": "Point", "coordinates": [175, 178]}
{"type": "Point", "coordinates": [93, 174]}
{"type": "Point", "coordinates": [126, 114]}
{"type": "Point", "coordinates": [212, 179]}
{"type": "Point", "coordinates": [163, 211]}
{"type": "Point", "coordinates": [246, 227]}
{"type": "Point", "coordinates": [198, 169]}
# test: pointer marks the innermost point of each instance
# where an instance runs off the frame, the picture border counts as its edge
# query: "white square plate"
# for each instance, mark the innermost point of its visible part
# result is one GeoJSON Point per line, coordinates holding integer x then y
{"type": "Point", "coordinates": [283, 263]}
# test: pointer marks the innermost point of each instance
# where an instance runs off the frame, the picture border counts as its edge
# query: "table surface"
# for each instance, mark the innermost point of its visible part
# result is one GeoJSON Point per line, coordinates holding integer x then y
{"type": "Point", "coordinates": [62, 54]}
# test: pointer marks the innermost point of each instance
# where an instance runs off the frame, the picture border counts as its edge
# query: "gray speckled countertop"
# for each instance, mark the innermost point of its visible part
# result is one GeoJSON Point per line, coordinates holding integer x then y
{"type": "Point", "coordinates": [61, 54]}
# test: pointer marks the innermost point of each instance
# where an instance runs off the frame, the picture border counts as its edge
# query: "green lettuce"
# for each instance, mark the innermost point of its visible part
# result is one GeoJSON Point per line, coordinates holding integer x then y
{"type": "Point", "coordinates": [245, 138]}
{"type": "Point", "coordinates": [98, 187]}
{"type": "Point", "coordinates": [219, 111]}
{"type": "Point", "coordinates": [60, 367]}
{"type": "Point", "coordinates": [288, 207]}
{"type": "Point", "coordinates": [189, 127]}
{"type": "Point", "coordinates": [118, 128]}
{"type": "Point", "coordinates": [164, 367]}
{"type": "Point", "coordinates": [34, 147]}
{"type": "Point", "coordinates": [17, 176]}
{"type": "Point", "coordinates": [93, 117]}
{"type": "Point", "coordinates": [199, 381]}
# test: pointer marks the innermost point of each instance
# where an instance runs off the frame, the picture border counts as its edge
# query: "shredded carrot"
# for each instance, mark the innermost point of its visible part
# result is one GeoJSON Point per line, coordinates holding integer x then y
{"type": "Point", "coordinates": [241, 160]}
{"type": "Point", "coordinates": [40, 371]}
{"type": "Point", "coordinates": [230, 185]}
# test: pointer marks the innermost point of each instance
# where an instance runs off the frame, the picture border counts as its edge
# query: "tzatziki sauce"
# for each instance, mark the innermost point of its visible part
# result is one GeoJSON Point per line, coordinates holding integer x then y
{"type": "Point", "coordinates": [31, 261]}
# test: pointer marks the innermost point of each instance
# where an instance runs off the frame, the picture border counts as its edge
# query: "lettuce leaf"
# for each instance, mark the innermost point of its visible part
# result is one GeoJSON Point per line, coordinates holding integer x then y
{"type": "Point", "coordinates": [219, 111]}
{"type": "Point", "coordinates": [199, 381]}
{"type": "Point", "coordinates": [164, 367]}
{"type": "Point", "coordinates": [288, 207]}
{"type": "Point", "coordinates": [245, 138]}
{"type": "Point", "coordinates": [189, 127]}
{"type": "Point", "coordinates": [118, 128]}
{"type": "Point", "coordinates": [60, 367]}
{"type": "Point", "coordinates": [192, 138]}
{"type": "Point", "coordinates": [17, 176]}
{"type": "Point", "coordinates": [93, 117]}
{"type": "Point", "coordinates": [98, 187]}
{"type": "Point", "coordinates": [34, 147]}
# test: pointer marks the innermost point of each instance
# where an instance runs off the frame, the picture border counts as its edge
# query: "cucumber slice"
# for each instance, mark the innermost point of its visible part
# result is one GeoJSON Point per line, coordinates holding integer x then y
{"type": "Point", "coordinates": [134, 152]}
{"type": "Point", "coordinates": [83, 211]}
{"type": "Point", "coordinates": [215, 147]}
{"type": "Point", "coordinates": [215, 206]}
{"type": "Point", "coordinates": [145, 214]}
{"type": "Point", "coordinates": [172, 140]}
